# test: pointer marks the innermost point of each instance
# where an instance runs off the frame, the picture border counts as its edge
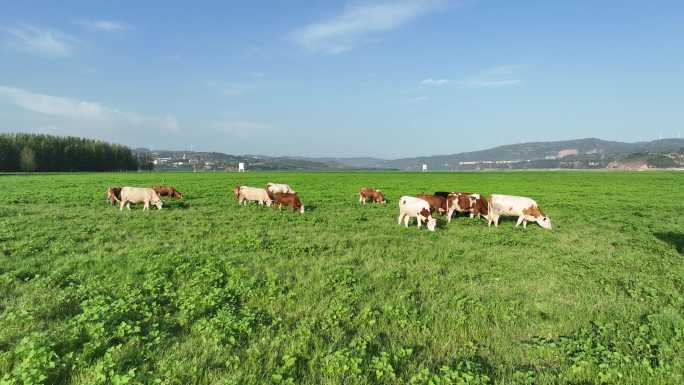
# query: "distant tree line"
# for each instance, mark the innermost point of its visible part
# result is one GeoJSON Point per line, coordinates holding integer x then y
{"type": "Point", "coordinates": [33, 152]}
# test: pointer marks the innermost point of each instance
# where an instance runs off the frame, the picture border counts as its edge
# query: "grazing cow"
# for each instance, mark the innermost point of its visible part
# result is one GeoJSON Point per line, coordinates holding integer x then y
{"type": "Point", "coordinates": [371, 194]}
{"type": "Point", "coordinates": [458, 201]}
{"type": "Point", "coordinates": [436, 202]}
{"type": "Point", "coordinates": [464, 202]}
{"type": "Point", "coordinates": [288, 199]}
{"type": "Point", "coordinates": [275, 188]}
{"type": "Point", "coordinates": [443, 194]}
{"type": "Point", "coordinates": [167, 191]}
{"type": "Point", "coordinates": [245, 194]}
{"type": "Point", "coordinates": [525, 209]}
{"type": "Point", "coordinates": [114, 195]}
{"type": "Point", "coordinates": [139, 195]}
{"type": "Point", "coordinates": [479, 206]}
{"type": "Point", "coordinates": [411, 207]}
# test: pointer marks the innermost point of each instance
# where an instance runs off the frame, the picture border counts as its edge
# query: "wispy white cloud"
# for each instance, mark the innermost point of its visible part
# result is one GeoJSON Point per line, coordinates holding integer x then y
{"type": "Point", "coordinates": [490, 83]}
{"type": "Point", "coordinates": [104, 25]}
{"type": "Point", "coordinates": [503, 70]}
{"type": "Point", "coordinates": [496, 77]}
{"type": "Point", "coordinates": [226, 89]}
{"type": "Point", "coordinates": [52, 105]}
{"type": "Point", "coordinates": [40, 41]}
{"type": "Point", "coordinates": [86, 112]}
{"type": "Point", "coordinates": [341, 33]}
{"type": "Point", "coordinates": [434, 82]}
{"type": "Point", "coordinates": [415, 100]}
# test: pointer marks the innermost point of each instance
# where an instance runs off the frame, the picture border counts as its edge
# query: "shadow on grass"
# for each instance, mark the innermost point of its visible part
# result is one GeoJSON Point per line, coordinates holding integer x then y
{"type": "Point", "coordinates": [675, 239]}
{"type": "Point", "coordinates": [173, 205]}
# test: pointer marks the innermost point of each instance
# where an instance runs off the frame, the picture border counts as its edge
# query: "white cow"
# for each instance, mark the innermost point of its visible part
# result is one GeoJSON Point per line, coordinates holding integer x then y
{"type": "Point", "coordinates": [245, 194]}
{"type": "Point", "coordinates": [139, 195]}
{"type": "Point", "coordinates": [275, 188]}
{"type": "Point", "coordinates": [412, 207]}
{"type": "Point", "coordinates": [525, 209]}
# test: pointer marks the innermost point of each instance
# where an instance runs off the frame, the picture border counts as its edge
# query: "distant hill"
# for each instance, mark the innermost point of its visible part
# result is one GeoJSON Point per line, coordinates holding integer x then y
{"type": "Point", "coordinates": [210, 161]}
{"type": "Point", "coordinates": [527, 155]}
{"type": "Point", "coordinates": [358, 162]}
{"type": "Point", "coordinates": [579, 153]}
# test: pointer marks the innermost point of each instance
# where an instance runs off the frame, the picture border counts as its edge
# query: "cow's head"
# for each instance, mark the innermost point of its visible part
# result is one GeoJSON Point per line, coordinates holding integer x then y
{"type": "Point", "coordinates": [110, 196]}
{"type": "Point", "coordinates": [236, 191]}
{"type": "Point", "coordinates": [297, 204]}
{"type": "Point", "coordinates": [544, 222]}
{"type": "Point", "coordinates": [177, 194]}
{"type": "Point", "coordinates": [379, 197]}
{"type": "Point", "coordinates": [431, 223]}
{"type": "Point", "coordinates": [156, 201]}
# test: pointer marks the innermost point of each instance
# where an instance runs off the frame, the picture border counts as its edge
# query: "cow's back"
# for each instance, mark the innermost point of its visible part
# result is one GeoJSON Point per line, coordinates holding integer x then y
{"type": "Point", "coordinates": [413, 203]}
{"type": "Point", "coordinates": [137, 194]}
{"type": "Point", "coordinates": [510, 204]}
{"type": "Point", "coordinates": [278, 188]}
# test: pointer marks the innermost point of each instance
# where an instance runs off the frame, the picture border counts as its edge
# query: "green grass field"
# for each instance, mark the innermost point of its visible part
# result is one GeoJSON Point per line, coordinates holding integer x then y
{"type": "Point", "coordinates": [207, 292]}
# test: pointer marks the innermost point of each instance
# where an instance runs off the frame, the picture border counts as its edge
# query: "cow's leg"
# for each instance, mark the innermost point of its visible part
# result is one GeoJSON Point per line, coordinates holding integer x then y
{"type": "Point", "coordinates": [128, 205]}
{"type": "Point", "coordinates": [401, 217]}
{"type": "Point", "coordinates": [361, 199]}
{"type": "Point", "coordinates": [496, 221]}
{"type": "Point", "coordinates": [146, 206]}
{"type": "Point", "coordinates": [472, 214]}
{"type": "Point", "coordinates": [123, 203]}
{"type": "Point", "coordinates": [520, 220]}
{"type": "Point", "coordinates": [419, 220]}
{"type": "Point", "coordinates": [525, 224]}
{"type": "Point", "coordinates": [449, 214]}
{"type": "Point", "coordinates": [407, 218]}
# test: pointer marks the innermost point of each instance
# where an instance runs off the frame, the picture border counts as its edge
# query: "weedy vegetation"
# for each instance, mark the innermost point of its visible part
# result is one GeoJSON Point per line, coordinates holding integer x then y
{"type": "Point", "coordinates": [207, 292]}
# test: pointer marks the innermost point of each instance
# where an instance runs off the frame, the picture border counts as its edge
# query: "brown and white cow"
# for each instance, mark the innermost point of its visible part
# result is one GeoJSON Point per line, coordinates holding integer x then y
{"type": "Point", "coordinates": [167, 191]}
{"type": "Point", "coordinates": [114, 195]}
{"type": "Point", "coordinates": [410, 207]}
{"type": "Point", "coordinates": [524, 208]}
{"type": "Point", "coordinates": [275, 188]}
{"type": "Point", "coordinates": [469, 203]}
{"type": "Point", "coordinates": [437, 203]}
{"type": "Point", "coordinates": [139, 195]}
{"type": "Point", "coordinates": [288, 199]}
{"type": "Point", "coordinates": [479, 206]}
{"type": "Point", "coordinates": [371, 194]}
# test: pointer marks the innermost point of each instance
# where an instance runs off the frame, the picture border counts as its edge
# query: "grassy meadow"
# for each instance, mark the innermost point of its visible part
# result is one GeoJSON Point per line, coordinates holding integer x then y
{"type": "Point", "coordinates": [207, 292]}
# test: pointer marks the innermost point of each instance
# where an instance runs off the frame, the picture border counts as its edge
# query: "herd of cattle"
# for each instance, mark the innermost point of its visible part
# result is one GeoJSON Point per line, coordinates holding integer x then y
{"type": "Point", "coordinates": [421, 207]}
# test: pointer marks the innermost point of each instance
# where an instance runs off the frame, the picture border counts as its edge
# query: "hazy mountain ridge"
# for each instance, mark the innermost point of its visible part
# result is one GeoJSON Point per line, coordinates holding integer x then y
{"type": "Point", "coordinates": [537, 154]}
{"type": "Point", "coordinates": [578, 153]}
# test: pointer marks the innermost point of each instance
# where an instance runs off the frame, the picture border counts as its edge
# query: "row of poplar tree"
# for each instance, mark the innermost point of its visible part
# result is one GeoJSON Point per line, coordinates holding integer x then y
{"type": "Point", "coordinates": [35, 152]}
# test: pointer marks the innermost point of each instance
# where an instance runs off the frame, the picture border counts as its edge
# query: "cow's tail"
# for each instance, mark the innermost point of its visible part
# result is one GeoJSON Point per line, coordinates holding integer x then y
{"type": "Point", "coordinates": [488, 203]}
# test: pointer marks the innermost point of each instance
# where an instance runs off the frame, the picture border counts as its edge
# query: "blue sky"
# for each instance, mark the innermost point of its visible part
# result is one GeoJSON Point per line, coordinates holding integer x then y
{"type": "Point", "coordinates": [357, 78]}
